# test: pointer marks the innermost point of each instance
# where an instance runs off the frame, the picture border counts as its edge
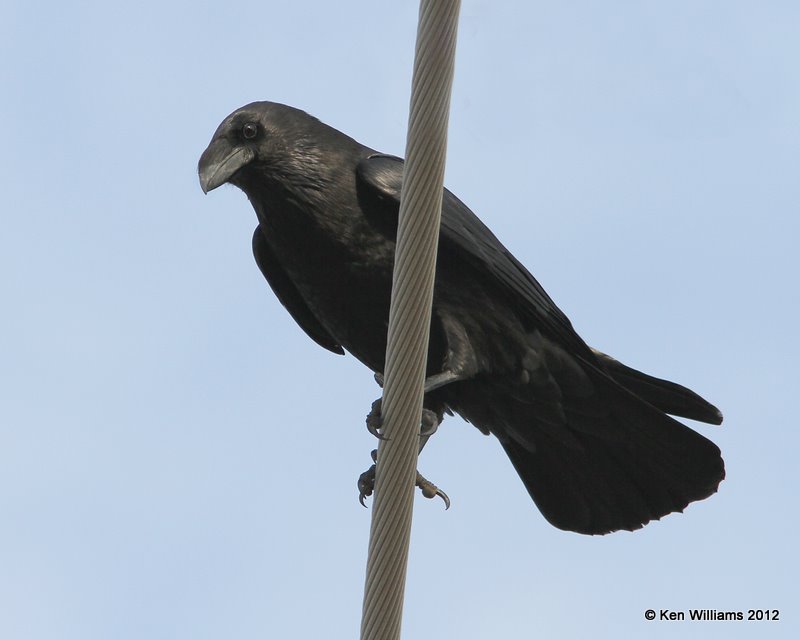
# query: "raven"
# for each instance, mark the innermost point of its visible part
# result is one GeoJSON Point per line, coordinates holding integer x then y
{"type": "Point", "coordinates": [589, 436]}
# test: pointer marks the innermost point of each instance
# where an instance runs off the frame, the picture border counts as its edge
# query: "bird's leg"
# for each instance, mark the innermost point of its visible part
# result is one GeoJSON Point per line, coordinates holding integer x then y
{"type": "Point", "coordinates": [441, 379]}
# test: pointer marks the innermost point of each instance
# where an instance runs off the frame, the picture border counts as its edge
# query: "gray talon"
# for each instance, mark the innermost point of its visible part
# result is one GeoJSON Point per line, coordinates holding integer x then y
{"type": "Point", "coordinates": [375, 420]}
{"type": "Point", "coordinates": [366, 484]}
{"type": "Point", "coordinates": [430, 490]}
{"type": "Point", "coordinates": [366, 481]}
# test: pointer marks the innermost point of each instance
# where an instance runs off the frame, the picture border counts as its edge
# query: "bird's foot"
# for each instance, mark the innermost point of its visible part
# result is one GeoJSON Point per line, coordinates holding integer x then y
{"type": "Point", "coordinates": [366, 485]}
{"type": "Point", "coordinates": [429, 421]}
{"type": "Point", "coordinates": [375, 420]}
{"type": "Point", "coordinates": [430, 490]}
{"type": "Point", "coordinates": [366, 481]}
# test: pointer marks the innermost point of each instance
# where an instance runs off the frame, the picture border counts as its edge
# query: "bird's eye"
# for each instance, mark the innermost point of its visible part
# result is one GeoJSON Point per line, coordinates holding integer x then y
{"type": "Point", "coordinates": [250, 130]}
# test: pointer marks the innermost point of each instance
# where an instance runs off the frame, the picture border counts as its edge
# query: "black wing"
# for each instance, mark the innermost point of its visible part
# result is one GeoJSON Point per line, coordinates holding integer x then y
{"type": "Point", "coordinates": [289, 295]}
{"type": "Point", "coordinates": [462, 234]}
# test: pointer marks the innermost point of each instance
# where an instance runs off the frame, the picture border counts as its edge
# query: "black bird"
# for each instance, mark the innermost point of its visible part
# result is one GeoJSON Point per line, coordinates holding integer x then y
{"type": "Point", "coordinates": [589, 436]}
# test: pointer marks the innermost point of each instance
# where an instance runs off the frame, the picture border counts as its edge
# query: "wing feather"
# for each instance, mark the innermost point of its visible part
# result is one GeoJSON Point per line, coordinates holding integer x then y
{"type": "Point", "coordinates": [289, 296]}
{"type": "Point", "coordinates": [466, 238]}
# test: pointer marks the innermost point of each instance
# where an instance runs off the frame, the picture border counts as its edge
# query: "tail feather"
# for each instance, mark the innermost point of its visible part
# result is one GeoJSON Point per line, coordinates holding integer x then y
{"type": "Point", "coordinates": [667, 396]}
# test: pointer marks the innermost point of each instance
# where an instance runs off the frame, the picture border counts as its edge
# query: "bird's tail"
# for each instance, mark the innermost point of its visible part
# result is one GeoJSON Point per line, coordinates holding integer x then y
{"type": "Point", "coordinates": [614, 469]}
{"type": "Point", "coordinates": [591, 438]}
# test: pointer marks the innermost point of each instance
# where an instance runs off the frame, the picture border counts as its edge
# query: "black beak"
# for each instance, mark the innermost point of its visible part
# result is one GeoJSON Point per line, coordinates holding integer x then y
{"type": "Point", "coordinates": [220, 161]}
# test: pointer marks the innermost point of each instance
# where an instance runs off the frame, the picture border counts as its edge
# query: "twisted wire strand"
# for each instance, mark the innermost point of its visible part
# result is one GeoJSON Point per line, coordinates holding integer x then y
{"type": "Point", "coordinates": [409, 319]}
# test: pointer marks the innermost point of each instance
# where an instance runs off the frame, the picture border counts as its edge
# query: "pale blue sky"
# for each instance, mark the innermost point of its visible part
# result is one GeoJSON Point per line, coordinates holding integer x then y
{"type": "Point", "coordinates": [178, 460]}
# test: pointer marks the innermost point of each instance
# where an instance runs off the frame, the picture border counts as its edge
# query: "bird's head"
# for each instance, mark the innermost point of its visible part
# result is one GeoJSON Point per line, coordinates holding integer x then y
{"type": "Point", "coordinates": [263, 139]}
{"type": "Point", "coordinates": [248, 137]}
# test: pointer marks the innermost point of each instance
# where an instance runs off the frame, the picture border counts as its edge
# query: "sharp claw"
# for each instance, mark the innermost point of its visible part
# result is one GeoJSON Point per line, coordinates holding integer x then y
{"type": "Point", "coordinates": [444, 497]}
{"type": "Point", "coordinates": [430, 490]}
{"type": "Point", "coordinates": [375, 420]}
{"type": "Point", "coordinates": [375, 432]}
{"type": "Point", "coordinates": [366, 481]}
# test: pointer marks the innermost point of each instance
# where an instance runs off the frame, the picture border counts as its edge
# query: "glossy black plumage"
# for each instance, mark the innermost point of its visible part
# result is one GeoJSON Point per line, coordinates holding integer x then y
{"type": "Point", "coordinates": [589, 436]}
